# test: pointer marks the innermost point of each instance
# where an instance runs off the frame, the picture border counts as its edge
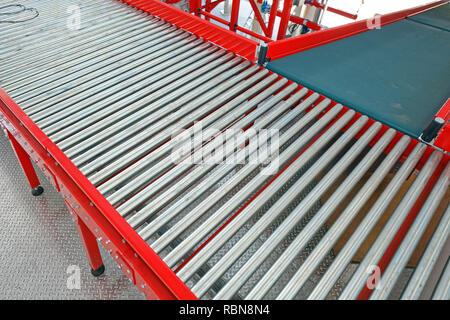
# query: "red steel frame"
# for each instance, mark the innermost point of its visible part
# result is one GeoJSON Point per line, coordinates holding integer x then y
{"type": "Point", "coordinates": [96, 218]}
{"type": "Point", "coordinates": [443, 139]}
{"type": "Point", "coordinates": [98, 221]}
{"type": "Point", "coordinates": [286, 47]}
{"type": "Point", "coordinates": [209, 31]}
{"type": "Point", "coordinates": [285, 15]}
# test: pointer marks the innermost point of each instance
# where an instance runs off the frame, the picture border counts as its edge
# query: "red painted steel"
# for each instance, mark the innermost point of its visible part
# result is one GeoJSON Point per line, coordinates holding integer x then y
{"type": "Point", "coordinates": [209, 15]}
{"type": "Point", "coordinates": [294, 45]}
{"type": "Point", "coordinates": [90, 245]}
{"type": "Point", "coordinates": [234, 14]}
{"type": "Point", "coordinates": [334, 10]}
{"type": "Point", "coordinates": [97, 218]}
{"type": "Point", "coordinates": [194, 6]}
{"type": "Point", "coordinates": [150, 274]}
{"type": "Point", "coordinates": [311, 25]}
{"type": "Point", "coordinates": [253, 34]}
{"type": "Point", "coordinates": [25, 162]}
{"type": "Point", "coordinates": [285, 15]}
{"type": "Point", "coordinates": [443, 139]}
{"type": "Point", "coordinates": [209, 31]}
{"type": "Point", "coordinates": [259, 17]}
{"type": "Point", "coordinates": [272, 16]}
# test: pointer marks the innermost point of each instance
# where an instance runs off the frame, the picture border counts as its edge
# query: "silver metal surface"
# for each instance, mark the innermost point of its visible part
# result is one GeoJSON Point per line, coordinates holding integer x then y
{"type": "Point", "coordinates": [400, 259]}
{"type": "Point", "coordinates": [418, 281]}
{"type": "Point", "coordinates": [442, 291]}
{"type": "Point", "coordinates": [359, 279]}
{"type": "Point", "coordinates": [122, 93]}
{"type": "Point", "coordinates": [343, 258]}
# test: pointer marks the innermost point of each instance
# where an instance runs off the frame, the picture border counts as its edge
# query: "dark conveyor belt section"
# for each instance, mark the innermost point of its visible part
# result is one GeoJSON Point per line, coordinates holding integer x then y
{"type": "Point", "coordinates": [303, 221]}
{"type": "Point", "coordinates": [397, 74]}
{"type": "Point", "coordinates": [438, 17]}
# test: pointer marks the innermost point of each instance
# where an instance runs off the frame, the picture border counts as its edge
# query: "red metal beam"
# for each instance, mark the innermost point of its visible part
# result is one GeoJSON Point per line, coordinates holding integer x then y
{"type": "Point", "coordinates": [334, 10]}
{"type": "Point", "coordinates": [25, 162]}
{"type": "Point", "coordinates": [272, 16]}
{"type": "Point", "coordinates": [147, 270]}
{"type": "Point", "coordinates": [343, 13]}
{"type": "Point", "coordinates": [443, 139]}
{"type": "Point", "coordinates": [234, 14]}
{"type": "Point", "coordinates": [194, 6]}
{"type": "Point", "coordinates": [298, 20]}
{"type": "Point", "coordinates": [209, 31]}
{"type": "Point", "coordinates": [285, 17]}
{"type": "Point", "coordinates": [90, 245]}
{"type": "Point", "coordinates": [211, 5]}
{"type": "Point", "coordinates": [259, 17]}
{"type": "Point", "coordinates": [209, 15]}
{"type": "Point", "coordinates": [253, 34]}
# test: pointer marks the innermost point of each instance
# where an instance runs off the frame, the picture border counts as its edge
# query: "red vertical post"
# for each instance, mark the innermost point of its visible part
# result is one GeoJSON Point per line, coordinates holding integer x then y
{"type": "Point", "coordinates": [234, 14]}
{"type": "Point", "coordinates": [90, 247]}
{"type": "Point", "coordinates": [194, 6]}
{"type": "Point", "coordinates": [285, 16]}
{"type": "Point", "coordinates": [207, 9]}
{"type": "Point", "coordinates": [272, 16]}
{"type": "Point", "coordinates": [27, 166]}
{"type": "Point", "coordinates": [258, 16]}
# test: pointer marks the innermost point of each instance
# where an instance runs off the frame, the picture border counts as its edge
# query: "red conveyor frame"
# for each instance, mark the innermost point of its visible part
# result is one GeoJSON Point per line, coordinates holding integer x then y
{"type": "Point", "coordinates": [97, 220]}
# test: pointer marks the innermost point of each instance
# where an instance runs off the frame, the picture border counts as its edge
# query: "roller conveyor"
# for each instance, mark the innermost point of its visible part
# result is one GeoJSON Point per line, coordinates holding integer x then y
{"type": "Point", "coordinates": [121, 96]}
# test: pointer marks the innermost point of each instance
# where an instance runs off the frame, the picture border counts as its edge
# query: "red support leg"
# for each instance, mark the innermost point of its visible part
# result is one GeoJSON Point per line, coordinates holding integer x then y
{"type": "Point", "coordinates": [285, 17]}
{"type": "Point", "coordinates": [91, 248]}
{"type": "Point", "coordinates": [27, 166]}
{"type": "Point", "coordinates": [234, 14]}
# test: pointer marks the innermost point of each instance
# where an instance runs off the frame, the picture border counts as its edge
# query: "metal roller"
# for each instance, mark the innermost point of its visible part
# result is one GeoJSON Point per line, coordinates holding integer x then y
{"type": "Point", "coordinates": [442, 291]}
{"type": "Point", "coordinates": [134, 184]}
{"type": "Point", "coordinates": [16, 57]}
{"type": "Point", "coordinates": [52, 24]}
{"type": "Point", "coordinates": [60, 54]}
{"type": "Point", "coordinates": [269, 217]}
{"type": "Point", "coordinates": [110, 94]}
{"type": "Point", "coordinates": [317, 221]}
{"type": "Point", "coordinates": [150, 209]}
{"type": "Point", "coordinates": [86, 64]}
{"type": "Point", "coordinates": [164, 135]}
{"type": "Point", "coordinates": [167, 127]}
{"type": "Point", "coordinates": [428, 260]}
{"type": "Point", "coordinates": [68, 132]}
{"type": "Point", "coordinates": [197, 261]}
{"type": "Point", "coordinates": [358, 236]}
{"type": "Point", "coordinates": [358, 280]}
{"type": "Point", "coordinates": [404, 252]}
{"type": "Point", "coordinates": [252, 264]}
{"type": "Point", "coordinates": [219, 193]}
{"type": "Point", "coordinates": [162, 199]}
{"type": "Point", "coordinates": [155, 110]}
{"type": "Point", "coordinates": [358, 201]}
{"type": "Point", "coordinates": [38, 106]}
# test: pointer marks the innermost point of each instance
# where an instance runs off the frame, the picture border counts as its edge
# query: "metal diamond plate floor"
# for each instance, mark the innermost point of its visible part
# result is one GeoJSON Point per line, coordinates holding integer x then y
{"type": "Point", "coordinates": [39, 243]}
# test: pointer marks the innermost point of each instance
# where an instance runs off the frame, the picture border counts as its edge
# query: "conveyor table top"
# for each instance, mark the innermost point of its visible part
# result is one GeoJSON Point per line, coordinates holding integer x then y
{"type": "Point", "coordinates": [116, 95]}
